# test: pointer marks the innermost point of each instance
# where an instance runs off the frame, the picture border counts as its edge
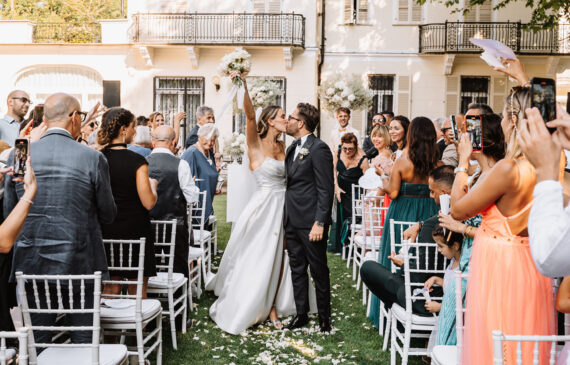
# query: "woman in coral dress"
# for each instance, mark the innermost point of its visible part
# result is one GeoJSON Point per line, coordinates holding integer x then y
{"type": "Point", "coordinates": [505, 291]}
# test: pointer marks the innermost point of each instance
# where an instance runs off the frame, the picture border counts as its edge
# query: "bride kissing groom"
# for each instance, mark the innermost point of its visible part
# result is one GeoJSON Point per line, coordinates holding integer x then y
{"type": "Point", "coordinates": [282, 230]}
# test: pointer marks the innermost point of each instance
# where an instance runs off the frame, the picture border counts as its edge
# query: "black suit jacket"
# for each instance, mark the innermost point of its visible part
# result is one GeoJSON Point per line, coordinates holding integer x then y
{"type": "Point", "coordinates": [441, 145]}
{"type": "Point", "coordinates": [310, 185]}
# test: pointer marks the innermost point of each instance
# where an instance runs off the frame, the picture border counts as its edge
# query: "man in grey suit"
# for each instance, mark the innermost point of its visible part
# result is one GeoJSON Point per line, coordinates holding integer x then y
{"type": "Point", "coordinates": [62, 235]}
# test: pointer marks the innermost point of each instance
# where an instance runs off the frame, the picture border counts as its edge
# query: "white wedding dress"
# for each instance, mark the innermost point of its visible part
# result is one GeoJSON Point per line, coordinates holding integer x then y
{"type": "Point", "coordinates": [249, 273]}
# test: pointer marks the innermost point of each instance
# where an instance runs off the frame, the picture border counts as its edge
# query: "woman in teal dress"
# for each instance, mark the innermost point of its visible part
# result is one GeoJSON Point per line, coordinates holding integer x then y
{"type": "Point", "coordinates": [408, 188]}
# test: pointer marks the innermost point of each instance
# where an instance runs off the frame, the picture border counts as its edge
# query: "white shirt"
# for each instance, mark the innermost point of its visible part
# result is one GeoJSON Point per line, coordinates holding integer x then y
{"type": "Point", "coordinates": [299, 147]}
{"type": "Point", "coordinates": [338, 132]}
{"type": "Point", "coordinates": [549, 230]}
{"type": "Point", "coordinates": [190, 190]}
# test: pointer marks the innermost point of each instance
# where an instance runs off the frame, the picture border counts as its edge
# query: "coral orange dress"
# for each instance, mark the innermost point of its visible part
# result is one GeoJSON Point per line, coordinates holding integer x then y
{"type": "Point", "coordinates": [505, 292]}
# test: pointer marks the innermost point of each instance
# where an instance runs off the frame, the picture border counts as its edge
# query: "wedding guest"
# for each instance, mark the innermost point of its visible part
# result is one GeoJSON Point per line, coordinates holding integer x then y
{"type": "Point", "coordinates": [62, 233]}
{"type": "Point", "coordinates": [407, 186]}
{"type": "Point", "coordinates": [368, 145]}
{"type": "Point", "coordinates": [342, 127]}
{"type": "Point", "coordinates": [438, 125]}
{"type": "Point", "coordinates": [18, 103]}
{"type": "Point", "coordinates": [133, 192]}
{"type": "Point", "coordinates": [449, 153]}
{"type": "Point", "coordinates": [388, 116]}
{"type": "Point", "coordinates": [142, 121]}
{"type": "Point", "coordinates": [382, 141]}
{"type": "Point", "coordinates": [204, 115]}
{"type": "Point", "coordinates": [350, 163]}
{"type": "Point", "coordinates": [156, 119]}
{"type": "Point", "coordinates": [86, 130]}
{"type": "Point", "coordinates": [142, 141]}
{"type": "Point", "coordinates": [399, 132]}
{"type": "Point", "coordinates": [521, 301]}
{"type": "Point", "coordinates": [202, 165]}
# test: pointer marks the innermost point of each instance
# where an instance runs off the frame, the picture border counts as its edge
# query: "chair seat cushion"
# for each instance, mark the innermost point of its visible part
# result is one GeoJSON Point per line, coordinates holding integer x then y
{"type": "Point", "coordinates": [161, 280]}
{"type": "Point", "coordinates": [444, 355]}
{"type": "Point", "coordinates": [400, 313]}
{"type": "Point", "coordinates": [205, 234]}
{"type": "Point", "coordinates": [359, 241]}
{"type": "Point", "coordinates": [108, 355]}
{"type": "Point", "coordinates": [123, 310]}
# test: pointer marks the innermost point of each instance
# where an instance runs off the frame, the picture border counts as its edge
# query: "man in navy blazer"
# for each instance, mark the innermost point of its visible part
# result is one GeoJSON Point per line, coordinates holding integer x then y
{"type": "Point", "coordinates": [62, 234]}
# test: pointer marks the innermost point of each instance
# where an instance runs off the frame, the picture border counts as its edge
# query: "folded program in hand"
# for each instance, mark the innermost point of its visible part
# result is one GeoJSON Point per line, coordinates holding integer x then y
{"type": "Point", "coordinates": [493, 51]}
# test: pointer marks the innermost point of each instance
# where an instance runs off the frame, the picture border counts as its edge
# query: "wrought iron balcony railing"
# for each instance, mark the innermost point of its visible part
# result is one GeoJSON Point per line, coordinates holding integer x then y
{"type": "Point", "coordinates": [453, 37]}
{"type": "Point", "coordinates": [219, 28]}
{"type": "Point", "coordinates": [67, 33]}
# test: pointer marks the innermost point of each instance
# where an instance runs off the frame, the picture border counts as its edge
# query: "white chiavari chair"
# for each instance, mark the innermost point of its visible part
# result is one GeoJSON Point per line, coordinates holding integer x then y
{"type": "Point", "coordinates": [8, 355]}
{"type": "Point", "coordinates": [127, 314]}
{"type": "Point", "coordinates": [202, 247]}
{"type": "Point", "coordinates": [532, 344]}
{"type": "Point", "coordinates": [415, 326]}
{"type": "Point", "coordinates": [53, 295]}
{"type": "Point", "coordinates": [355, 224]}
{"type": "Point", "coordinates": [213, 222]}
{"type": "Point", "coordinates": [167, 282]}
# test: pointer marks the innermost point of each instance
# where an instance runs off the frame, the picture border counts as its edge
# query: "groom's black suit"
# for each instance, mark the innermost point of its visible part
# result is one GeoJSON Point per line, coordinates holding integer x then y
{"type": "Point", "coordinates": [309, 198]}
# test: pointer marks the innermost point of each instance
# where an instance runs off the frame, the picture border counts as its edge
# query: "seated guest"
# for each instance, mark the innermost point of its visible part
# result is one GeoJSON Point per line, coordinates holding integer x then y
{"type": "Point", "coordinates": [389, 287]}
{"type": "Point", "coordinates": [62, 234]}
{"type": "Point", "coordinates": [142, 141]}
{"type": "Point", "coordinates": [202, 164]}
{"type": "Point", "coordinates": [367, 144]}
{"type": "Point", "coordinates": [175, 190]}
{"type": "Point", "coordinates": [133, 192]}
{"type": "Point", "coordinates": [204, 115]}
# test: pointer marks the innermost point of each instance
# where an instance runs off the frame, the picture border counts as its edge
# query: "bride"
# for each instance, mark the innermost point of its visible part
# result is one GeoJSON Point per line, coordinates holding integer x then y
{"type": "Point", "coordinates": [253, 280]}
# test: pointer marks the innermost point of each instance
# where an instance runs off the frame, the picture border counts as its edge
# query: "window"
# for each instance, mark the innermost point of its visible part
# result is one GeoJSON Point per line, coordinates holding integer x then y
{"type": "Point", "coordinates": [356, 11]}
{"type": "Point", "coordinates": [480, 13]}
{"type": "Point", "coordinates": [176, 94]}
{"type": "Point", "coordinates": [407, 12]}
{"type": "Point", "coordinates": [474, 90]}
{"type": "Point", "coordinates": [239, 118]}
{"type": "Point", "coordinates": [266, 6]}
{"type": "Point", "coordinates": [382, 87]}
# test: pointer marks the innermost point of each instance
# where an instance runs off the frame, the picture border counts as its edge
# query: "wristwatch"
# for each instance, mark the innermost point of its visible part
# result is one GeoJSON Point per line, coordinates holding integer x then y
{"type": "Point", "coordinates": [320, 224]}
{"type": "Point", "coordinates": [460, 169]}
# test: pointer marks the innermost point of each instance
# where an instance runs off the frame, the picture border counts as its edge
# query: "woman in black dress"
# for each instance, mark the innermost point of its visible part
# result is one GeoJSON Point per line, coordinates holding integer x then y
{"type": "Point", "coordinates": [350, 164]}
{"type": "Point", "coordinates": [134, 192]}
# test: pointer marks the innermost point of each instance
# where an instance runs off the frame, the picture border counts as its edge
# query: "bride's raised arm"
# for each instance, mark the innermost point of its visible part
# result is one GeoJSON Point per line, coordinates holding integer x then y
{"type": "Point", "coordinates": [251, 136]}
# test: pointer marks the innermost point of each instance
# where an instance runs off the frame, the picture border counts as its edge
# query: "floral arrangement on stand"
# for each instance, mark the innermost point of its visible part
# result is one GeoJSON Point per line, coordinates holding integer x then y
{"type": "Point", "coordinates": [263, 92]}
{"type": "Point", "coordinates": [238, 60]}
{"type": "Point", "coordinates": [235, 146]}
{"type": "Point", "coordinates": [345, 91]}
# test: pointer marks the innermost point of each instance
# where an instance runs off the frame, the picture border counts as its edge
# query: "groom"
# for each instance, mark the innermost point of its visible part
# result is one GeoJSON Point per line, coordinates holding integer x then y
{"type": "Point", "coordinates": [308, 202]}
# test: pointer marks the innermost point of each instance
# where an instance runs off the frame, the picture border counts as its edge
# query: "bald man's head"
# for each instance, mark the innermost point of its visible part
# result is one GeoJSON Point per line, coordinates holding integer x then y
{"type": "Point", "coordinates": [57, 107]}
{"type": "Point", "coordinates": [164, 133]}
{"type": "Point", "coordinates": [18, 102]}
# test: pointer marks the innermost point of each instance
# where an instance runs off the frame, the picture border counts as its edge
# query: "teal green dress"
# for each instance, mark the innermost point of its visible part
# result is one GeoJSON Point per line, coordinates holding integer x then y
{"type": "Point", "coordinates": [413, 204]}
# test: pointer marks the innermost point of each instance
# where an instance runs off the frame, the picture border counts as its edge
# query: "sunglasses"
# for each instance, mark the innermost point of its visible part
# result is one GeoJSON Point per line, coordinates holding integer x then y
{"type": "Point", "coordinates": [378, 120]}
{"type": "Point", "coordinates": [83, 115]}
{"type": "Point", "coordinates": [24, 100]}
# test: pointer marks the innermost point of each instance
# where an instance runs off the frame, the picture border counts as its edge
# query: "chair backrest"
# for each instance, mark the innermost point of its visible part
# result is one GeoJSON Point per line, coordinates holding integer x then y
{"type": "Point", "coordinates": [22, 336]}
{"type": "Point", "coordinates": [357, 195]}
{"type": "Point", "coordinates": [397, 229]}
{"type": "Point", "coordinates": [550, 342]}
{"type": "Point", "coordinates": [54, 294]}
{"type": "Point", "coordinates": [430, 263]}
{"type": "Point", "coordinates": [197, 212]}
{"type": "Point", "coordinates": [164, 244]}
{"type": "Point", "coordinates": [372, 220]}
{"type": "Point", "coordinates": [459, 310]}
{"type": "Point", "coordinates": [121, 254]}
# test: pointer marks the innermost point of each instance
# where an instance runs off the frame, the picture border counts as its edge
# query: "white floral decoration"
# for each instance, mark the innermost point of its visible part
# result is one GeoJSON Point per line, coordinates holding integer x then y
{"type": "Point", "coordinates": [235, 146]}
{"type": "Point", "coordinates": [239, 60]}
{"type": "Point", "coordinates": [344, 91]}
{"type": "Point", "coordinates": [303, 153]}
{"type": "Point", "coordinates": [263, 92]}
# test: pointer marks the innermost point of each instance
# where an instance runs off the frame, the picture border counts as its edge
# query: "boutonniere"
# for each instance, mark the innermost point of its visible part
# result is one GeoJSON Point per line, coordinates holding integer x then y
{"type": "Point", "coordinates": [303, 152]}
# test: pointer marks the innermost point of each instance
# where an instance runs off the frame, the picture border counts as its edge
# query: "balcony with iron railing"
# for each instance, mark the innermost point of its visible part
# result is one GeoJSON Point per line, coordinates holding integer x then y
{"type": "Point", "coordinates": [281, 29]}
{"type": "Point", "coordinates": [453, 37]}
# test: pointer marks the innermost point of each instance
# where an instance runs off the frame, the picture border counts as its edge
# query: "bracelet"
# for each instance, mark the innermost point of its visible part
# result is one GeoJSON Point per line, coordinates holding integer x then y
{"type": "Point", "coordinates": [27, 201]}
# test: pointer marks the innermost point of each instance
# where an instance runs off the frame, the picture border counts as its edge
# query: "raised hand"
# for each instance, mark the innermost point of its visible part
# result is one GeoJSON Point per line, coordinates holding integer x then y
{"type": "Point", "coordinates": [515, 69]}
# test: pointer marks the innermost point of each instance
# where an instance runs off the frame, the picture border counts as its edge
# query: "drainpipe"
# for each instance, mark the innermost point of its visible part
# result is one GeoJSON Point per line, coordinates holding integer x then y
{"type": "Point", "coordinates": [322, 59]}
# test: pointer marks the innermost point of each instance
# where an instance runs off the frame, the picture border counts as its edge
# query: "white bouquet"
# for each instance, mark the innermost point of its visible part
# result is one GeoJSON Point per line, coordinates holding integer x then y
{"type": "Point", "coordinates": [238, 60]}
{"type": "Point", "coordinates": [263, 92]}
{"type": "Point", "coordinates": [235, 146]}
{"type": "Point", "coordinates": [344, 91]}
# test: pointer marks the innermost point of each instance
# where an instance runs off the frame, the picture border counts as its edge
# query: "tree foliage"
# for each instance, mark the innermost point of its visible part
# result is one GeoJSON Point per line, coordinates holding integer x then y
{"type": "Point", "coordinates": [73, 11]}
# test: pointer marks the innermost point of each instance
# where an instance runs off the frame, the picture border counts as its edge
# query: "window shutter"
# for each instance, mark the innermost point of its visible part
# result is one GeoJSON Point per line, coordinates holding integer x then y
{"type": "Point", "coordinates": [348, 12]}
{"type": "Point", "coordinates": [500, 90]}
{"type": "Point", "coordinates": [362, 11]}
{"type": "Point", "coordinates": [471, 15]}
{"type": "Point", "coordinates": [403, 95]}
{"type": "Point", "coordinates": [416, 12]}
{"type": "Point", "coordinates": [273, 6]}
{"type": "Point", "coordinates": [403, 10]}
{"type": "Point", "coordinates": [485, 11]}
{"type": "Point", "coordinates": [451, 95]}
{"type": "Point", "coordinates": [259, 6]}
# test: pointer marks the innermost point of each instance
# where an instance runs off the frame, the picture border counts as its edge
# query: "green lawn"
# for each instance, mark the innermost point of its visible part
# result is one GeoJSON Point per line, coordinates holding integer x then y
{"type": "Point", "coordinates": [352, 341]}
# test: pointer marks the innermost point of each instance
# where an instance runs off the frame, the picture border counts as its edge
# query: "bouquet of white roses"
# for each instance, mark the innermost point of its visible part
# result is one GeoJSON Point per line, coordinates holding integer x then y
{"type": "Point", "coordinates": [344, 91]}
{"type": "Point", "coordinates": [235, 146]}
{"type": "Point", "coordinates": [263, 92]}
{"type": "Point", "coordinates": [238, 60]}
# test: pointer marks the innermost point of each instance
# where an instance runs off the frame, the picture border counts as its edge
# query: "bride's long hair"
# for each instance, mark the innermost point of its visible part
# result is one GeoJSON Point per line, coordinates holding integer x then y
{"type": "Point", "coordinates": [269, 112]}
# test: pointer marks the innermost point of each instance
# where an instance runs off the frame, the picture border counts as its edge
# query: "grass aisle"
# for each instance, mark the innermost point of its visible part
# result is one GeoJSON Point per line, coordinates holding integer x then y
{"type": "Point", "coordinates": [353, 340]}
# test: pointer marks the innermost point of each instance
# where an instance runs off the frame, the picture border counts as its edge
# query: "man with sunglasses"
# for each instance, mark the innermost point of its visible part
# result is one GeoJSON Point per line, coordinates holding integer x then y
{"type": "Point", "coordinates": [18, 103]}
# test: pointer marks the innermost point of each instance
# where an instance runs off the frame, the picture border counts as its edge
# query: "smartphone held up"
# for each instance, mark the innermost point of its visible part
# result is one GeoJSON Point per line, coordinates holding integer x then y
{"type": "Point", "coordinates": [544, 98]}
{"type": "Point", "coordinates": [21, 153]}
{"type": "Point", "coordinates": [473, 127]}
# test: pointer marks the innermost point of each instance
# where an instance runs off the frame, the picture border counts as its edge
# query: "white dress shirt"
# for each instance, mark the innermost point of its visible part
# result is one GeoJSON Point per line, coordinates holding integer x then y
{"type": "Point", "coordinates": [190, 190]}
{"type": "Point", "coordinates": [299, 147]}
{"type": "Point", "coordinates": [338, 132]}
{"type": "Point", "coordinates": [549, 230]}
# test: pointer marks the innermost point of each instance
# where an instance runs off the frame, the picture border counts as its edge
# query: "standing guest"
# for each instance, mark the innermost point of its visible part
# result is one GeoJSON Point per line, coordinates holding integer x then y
{"type": "Point", "coordinates": [142, 142]}
{"type": "Point", "coordinates": [133, 192]}
{"type": "Point", "coordinates": [438, 125]}
{"type": "Point", "coordinates": [449, 153]}
{"type": "Point", "coordinates": [399, 132]}
{"type": "Point", "coordinates": [382, 141]}
{"type": "Point", "coordinates": [204, 115]}
{"type": "Point", "coordinates": [342, 127]}
{"type": "Point", "coordinates": [202, 164]}
{"type": "Point", "coordinates": [407, 186]}
{"type": "Point", "coordinates": [388, 116]}
{"type": "Point", "coordinates": [142, 121]}
{"type": "Point", "coordinates": [175, 190]}
{"type": "Point", "coordinates": [349, 163]}
{"type": "Point", "coordinates": [62, 234]}
{"type": "Point", "coordinates": [156, 119]}
{"type": "Point", "coordinates": [18, 102]}
{"type": "Point", "coordinates": [86, 130]}
{"type": "Point", "coordinates": [368, 145]}
{"type": "Point", "coordinates": [505, 291]}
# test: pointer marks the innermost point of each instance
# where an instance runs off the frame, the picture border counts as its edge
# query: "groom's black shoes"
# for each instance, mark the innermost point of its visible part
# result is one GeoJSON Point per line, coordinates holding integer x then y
{"type": "Point", "coordinates": [299, 321]}
{"type": "Point", "coordinates": [325, 324]}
